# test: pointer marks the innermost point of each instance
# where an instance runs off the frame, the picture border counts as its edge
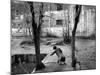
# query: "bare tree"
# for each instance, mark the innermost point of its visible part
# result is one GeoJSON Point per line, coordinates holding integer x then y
{"type": "Point", "coordinates": [67, 38]}
{"type": "Point", "coordinates": [36, 33]}
{"type": "Point", "coordinates": [77, 15]}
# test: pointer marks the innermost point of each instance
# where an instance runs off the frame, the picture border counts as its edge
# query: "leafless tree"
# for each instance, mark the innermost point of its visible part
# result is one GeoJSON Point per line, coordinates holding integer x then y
{"type": "Point", "coordinates": [36, 33]}
{"type": "Point", "coordinates": [77, 15]}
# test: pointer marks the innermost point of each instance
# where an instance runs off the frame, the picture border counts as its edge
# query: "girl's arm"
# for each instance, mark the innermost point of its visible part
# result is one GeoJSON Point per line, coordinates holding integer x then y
{"type": "Point", "coordinates": [53, 53]}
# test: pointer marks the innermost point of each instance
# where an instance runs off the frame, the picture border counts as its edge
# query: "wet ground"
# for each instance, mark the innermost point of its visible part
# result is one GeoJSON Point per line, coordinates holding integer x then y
{"type": "Point", "coordinates": [86, 53]}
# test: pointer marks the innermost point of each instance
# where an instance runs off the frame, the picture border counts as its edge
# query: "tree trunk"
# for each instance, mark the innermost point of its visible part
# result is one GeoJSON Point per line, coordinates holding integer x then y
{"type": "Point", "coordinates": [36, 39]}
{"type": "Point", "coordinates": [77, 14]}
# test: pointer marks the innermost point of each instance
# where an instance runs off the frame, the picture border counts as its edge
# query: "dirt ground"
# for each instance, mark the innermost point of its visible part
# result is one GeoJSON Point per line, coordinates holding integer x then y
{"type": "Point", "coordinates": [86, 53]}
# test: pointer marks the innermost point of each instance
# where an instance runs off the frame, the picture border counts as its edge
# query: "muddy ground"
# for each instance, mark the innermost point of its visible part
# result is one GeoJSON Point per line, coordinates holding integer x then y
{"type": "Point", "coordinates": [86, 52]}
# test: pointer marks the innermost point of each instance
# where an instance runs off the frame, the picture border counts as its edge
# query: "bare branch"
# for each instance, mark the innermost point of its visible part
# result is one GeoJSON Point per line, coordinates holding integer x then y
{"type": "Point", "coordinates": [77, 15]}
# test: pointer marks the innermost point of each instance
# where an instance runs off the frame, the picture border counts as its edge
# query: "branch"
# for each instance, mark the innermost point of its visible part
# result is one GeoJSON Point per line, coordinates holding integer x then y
{"type": "Point", "coordinates": [40, 17]}
{"type": "Point", "coordinates": [77, 15]}
{"type": "Point", "coordinates": [31, 6]}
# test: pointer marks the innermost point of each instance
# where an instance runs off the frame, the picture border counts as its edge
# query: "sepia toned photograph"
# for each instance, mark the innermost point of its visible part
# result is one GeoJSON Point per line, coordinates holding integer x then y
{"type": "Point", "coordinates": [52, 37]}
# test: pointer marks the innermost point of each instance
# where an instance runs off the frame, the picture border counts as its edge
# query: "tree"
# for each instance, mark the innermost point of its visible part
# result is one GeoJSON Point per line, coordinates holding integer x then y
{"type": "Point", "coordinates": [36, 32]}
{"type": "Point", "coordinates": [67, 38]}
{"type": "Point", "coordinates": [77, 15]}
{"type": "Point", "coordinates": [22, 12]}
